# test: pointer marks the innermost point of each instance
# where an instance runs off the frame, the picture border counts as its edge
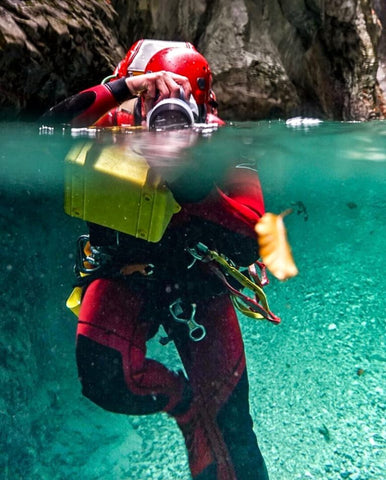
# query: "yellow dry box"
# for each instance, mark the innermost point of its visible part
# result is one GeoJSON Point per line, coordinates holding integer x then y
{"type": "Point", "coordinates": [115, 187]}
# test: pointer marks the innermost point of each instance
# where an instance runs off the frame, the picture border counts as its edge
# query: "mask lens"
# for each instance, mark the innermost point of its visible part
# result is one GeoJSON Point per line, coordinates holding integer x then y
{"type": "Point", "coordinates": [170, 114]}
{"type": "Point", "coordinates": [170, 120]}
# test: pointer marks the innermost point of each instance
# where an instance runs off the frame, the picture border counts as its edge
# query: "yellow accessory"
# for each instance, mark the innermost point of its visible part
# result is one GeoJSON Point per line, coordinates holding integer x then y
{"type": "Point", "coordinates": [114, 187]}
{"type": "Point", "coordinates": [74, 301]}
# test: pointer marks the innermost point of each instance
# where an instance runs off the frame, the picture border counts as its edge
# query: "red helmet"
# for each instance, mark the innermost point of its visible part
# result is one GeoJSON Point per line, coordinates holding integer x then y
{"type": "Point", "coordinates": [140, 53]}
{"type": "Point", "coordinates": [186, 62]}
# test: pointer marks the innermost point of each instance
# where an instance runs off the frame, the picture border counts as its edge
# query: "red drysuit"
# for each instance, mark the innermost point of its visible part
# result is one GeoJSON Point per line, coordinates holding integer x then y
{"type": "Point", "coordinates": [120, 313]}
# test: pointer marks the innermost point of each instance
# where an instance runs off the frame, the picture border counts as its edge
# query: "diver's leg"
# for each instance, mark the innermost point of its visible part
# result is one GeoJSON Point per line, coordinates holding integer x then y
{"type": "Point", "coordinates": [218, 427]}
{"type": "Point", "coordinates": [236, 425]}
{"type": "Point", "coordinates": [111, 353]}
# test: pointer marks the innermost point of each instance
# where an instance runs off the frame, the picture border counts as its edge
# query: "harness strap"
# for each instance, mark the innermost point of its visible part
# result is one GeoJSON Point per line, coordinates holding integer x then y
{"type": "Point", "coordinates": [89, 262]}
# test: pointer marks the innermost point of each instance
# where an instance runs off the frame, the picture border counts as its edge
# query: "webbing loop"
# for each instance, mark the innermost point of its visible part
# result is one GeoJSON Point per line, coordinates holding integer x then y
{"type": "Point", "coordinates": [257, 307]}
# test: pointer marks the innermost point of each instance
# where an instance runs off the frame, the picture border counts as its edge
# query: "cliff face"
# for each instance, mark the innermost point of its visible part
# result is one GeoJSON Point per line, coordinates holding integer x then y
{"type": "Point", "coordinates": [380, 8]}
{"type": "Point", "coordinates": [270, 58]}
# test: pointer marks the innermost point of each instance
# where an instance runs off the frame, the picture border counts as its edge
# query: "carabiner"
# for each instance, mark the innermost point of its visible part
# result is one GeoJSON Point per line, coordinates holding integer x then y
{"type": "Point", "coordinates": [199, 251]}
{"type": "Point", "coordinates": [82, 258]}
{"type": "Point", "coordinates": [196, 331]}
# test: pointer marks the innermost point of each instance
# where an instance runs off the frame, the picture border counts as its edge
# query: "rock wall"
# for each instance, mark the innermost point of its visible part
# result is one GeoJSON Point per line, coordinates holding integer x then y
{"type": "Point", "coordinates": [380, 8]}
{"type": "Point", "coordinates": [270, 58]}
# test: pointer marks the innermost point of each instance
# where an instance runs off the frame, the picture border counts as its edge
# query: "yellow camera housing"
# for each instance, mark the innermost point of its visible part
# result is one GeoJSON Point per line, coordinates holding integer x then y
{"type": "Point", "coordinates": [112, 186]}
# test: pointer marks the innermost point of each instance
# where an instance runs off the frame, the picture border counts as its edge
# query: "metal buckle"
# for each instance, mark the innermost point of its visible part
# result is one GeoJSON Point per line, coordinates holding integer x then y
{"type": "Point", "coordinates": [196, 331]}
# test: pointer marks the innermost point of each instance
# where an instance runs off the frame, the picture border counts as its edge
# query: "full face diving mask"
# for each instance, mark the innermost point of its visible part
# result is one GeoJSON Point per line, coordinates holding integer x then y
{"type": "Point", "coordinates": [173, 114]}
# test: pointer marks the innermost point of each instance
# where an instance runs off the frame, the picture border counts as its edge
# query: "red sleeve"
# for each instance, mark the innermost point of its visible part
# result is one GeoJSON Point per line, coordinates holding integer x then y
{"type": "Point", "coordinates": [85, 108]}
{"type": "Point", "coordinates": [237, 204]}
{"type": "Point", "coordinates": [104, 100]}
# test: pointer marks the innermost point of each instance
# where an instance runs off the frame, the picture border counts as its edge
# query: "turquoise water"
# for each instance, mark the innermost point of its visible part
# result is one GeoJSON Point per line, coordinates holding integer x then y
{"type": "Point", "coordinates": [317, 379]}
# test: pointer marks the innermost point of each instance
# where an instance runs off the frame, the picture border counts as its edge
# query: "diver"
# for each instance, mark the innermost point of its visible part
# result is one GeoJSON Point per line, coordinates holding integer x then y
{"type": "Point", "coordinates": [139, 286]}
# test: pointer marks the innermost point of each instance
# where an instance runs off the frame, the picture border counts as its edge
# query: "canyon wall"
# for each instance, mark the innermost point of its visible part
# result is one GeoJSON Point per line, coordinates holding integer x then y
{"type": "Point", "coordinates": [270, 58]}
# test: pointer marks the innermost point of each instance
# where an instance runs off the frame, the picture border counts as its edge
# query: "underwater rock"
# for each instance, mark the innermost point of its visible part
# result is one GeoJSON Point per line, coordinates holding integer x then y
{"type": "Point", "coordinates": [270, 58]}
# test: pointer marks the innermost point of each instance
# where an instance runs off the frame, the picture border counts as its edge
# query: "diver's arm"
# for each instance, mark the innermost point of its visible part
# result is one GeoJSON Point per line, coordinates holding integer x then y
{"type": "Point", "coordinates": [86, 107]}
{"type": "Point", "coordinates": [236, 202]}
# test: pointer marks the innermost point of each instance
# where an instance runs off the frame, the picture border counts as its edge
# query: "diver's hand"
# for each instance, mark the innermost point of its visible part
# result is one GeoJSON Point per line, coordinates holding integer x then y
{"type": "Point", "coordinates": [154, 87]}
